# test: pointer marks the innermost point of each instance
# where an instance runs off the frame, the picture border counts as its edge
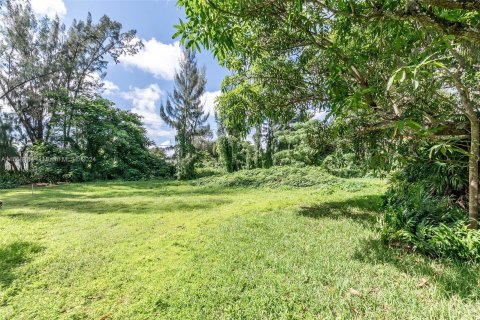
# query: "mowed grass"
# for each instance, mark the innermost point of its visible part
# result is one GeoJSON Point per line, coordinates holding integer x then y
{"type": "Point", "coordinates": [170, 250]}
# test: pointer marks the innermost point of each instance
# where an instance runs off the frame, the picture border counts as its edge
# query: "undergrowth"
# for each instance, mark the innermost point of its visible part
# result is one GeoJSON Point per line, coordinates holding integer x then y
{"type": "Point", "coordinates": [10, 179]}
{"type": "Point", "coordinates": [279, 177]}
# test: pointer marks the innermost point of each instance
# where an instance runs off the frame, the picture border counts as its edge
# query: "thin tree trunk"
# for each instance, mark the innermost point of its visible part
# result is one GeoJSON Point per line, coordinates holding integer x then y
{"type": "Point", "coordinates": [470, 112]}
{"type": "Point", "coordinates": [473, 157]}
{"type": "Point", "coordinates": [257, 138]}
{"type": "Point", "coordinates": [13, 165]}
{"type": "Point", "coordinates": [473, 174]}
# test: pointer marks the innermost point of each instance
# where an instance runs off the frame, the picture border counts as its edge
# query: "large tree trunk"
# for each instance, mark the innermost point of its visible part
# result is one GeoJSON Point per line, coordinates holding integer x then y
{"type": "Point", "coordinates": [473, 174]}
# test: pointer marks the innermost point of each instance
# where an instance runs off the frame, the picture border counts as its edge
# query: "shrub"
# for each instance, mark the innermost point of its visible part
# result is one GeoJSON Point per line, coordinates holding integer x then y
{"type": "Point", "coordinates": [421, 215]}
{"type": "Point", "coordinates": [54, 164]}
{"type": "Point", "coordinates": [426, 205]}
{"type": "Point", "coordinates": [303, 143]}
{"type": "Point", "coordinates": [273, 177]}
{"type": "Point", "coordinates": [12, 179]}
{"type": "Point", "coordinates": [344, 165]}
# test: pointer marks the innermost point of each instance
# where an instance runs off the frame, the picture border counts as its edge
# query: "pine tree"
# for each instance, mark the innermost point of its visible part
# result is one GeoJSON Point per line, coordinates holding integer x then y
{"type": "Point", "coordinates": [184, 112]}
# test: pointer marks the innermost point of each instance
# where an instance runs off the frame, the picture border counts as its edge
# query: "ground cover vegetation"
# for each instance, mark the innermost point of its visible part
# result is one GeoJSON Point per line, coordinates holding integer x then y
{"type": "Point", "coordinates": [175, 250]}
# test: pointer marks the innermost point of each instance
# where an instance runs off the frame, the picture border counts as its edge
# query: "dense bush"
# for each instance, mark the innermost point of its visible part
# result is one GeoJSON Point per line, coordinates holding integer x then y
{"type": "Point", "coordinates": [208, 165]}
{"type": "Point", "coordinates": [54, 164]}
{"type": "Point", "coordinates": [108, 143]}
{"type": "Point", "coordinates": [344, 165]}
{"type": "Point", "coordinates": [11, 179]}
{"type": "Point", "coordinates": [428, 224]}
{"type": "Point", "coordinates": [426, 209]}
{"type": "Point", "coordinates": [303, 143]}
{"type": "Point", "coordinates": [273, 177]}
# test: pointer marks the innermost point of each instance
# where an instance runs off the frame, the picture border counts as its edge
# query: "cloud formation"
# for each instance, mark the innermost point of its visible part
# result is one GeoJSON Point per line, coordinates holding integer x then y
{"type": "Point", "coordinates": [49, 8]}
{"type": "Point", "coordinates": [320, 115]}
{"type": "Point", "coordinates": [156, 58]}
{"type": "Point", "coordinates": [109, 88]}
{"type": "Point", "coordinates": [208, 100]}
{"type": "Point", "coordinates": [144, 104]}
{"type": "Point", "coordinates": [5, 108]}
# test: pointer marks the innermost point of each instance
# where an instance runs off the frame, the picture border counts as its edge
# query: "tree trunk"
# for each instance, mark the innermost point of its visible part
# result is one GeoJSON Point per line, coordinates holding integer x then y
{"type": "Point", "coordinates": [13, 165]}
{"type": "Point", "coordinates": [473, 174]}
{"type": "Point", "coordinates": [257, 138]}
{"type": "Point", "coordinates": [471, 113]}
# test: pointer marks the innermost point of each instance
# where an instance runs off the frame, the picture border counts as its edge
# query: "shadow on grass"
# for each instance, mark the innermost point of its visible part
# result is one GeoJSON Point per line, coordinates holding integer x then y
{"type": "Point", "coordinates": [116, 189]}
{"type": "Point", "coordinates": [147, 206]}
{"type": "Point", "coordinates": [14, 255]}
{"type": "Point", "coordinates": [116, 197]}
{"type": "Point", "coordinates": [453, 278]}
{"type": "Point", "coordinates": [25, 216]}
{"type": "Point", "coordinates": [364, 210]}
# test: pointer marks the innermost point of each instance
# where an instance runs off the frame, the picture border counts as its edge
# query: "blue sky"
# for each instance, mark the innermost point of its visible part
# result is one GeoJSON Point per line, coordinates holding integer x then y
{"type": "Point", "coordinates": [140, 83]}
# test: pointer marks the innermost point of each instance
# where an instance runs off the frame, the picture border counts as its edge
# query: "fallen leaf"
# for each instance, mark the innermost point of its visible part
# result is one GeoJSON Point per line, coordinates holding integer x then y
{"type": "Point", "coordinates": [354, 310]}
{"type": "Point", "coordinates": [423, 283]}
{"type": "Point", "coordinates": [354, 292]}
{"type": "Point", "coordinates": [374, 290]}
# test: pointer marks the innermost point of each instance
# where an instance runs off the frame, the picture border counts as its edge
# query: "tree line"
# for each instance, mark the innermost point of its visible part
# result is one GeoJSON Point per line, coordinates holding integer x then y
{"type": "Point", "coordinates": [51, 81]}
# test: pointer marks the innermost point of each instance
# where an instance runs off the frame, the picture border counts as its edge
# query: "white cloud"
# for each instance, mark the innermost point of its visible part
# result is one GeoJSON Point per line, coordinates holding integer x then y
{"type": "Point", "coordinates": [156, 58]}
{"type": "Point", "coordinates": [144, 101]}
{"type": "Point", "coordinates": [320, 115]}
{"type": "Point", "coordinates": [144, 104]}
{"type": "Point", "coordinates": [49, 8]}
{"type": "Point", "coordinates": [208, 100]}
{"type": "Point", "coordinates": [109, 87]}
{"type": "Point", "coordinates": [167, 147]}
{"type": "Point", "coordinates": [167, 143]}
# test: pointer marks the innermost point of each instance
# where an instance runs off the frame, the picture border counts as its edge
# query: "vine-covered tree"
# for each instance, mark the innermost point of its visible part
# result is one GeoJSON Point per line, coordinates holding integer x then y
{"type": "Point", "coordinates": [184, 111]}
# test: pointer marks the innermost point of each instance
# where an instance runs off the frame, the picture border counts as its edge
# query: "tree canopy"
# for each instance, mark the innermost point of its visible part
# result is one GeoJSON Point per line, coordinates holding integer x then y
{"type": "Point", "coordinates": [408, 68]}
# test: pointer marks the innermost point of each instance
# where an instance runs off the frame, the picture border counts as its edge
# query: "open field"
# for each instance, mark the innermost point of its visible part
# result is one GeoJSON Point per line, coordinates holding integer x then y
{"type": "Point", "coordinates": [163, 249]}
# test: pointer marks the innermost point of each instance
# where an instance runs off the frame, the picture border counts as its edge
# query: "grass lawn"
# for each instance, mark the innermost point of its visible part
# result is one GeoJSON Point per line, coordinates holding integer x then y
{"type": "Point", "coordinates": [171, 250]}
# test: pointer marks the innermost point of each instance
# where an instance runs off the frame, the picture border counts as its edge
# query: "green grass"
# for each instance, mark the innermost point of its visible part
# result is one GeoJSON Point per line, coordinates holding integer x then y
{"type": "Point", "coordinates": [148, 250]}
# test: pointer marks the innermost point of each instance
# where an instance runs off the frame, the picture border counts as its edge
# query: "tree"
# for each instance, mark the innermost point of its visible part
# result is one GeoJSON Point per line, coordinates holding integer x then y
{"type": "Point", "coordinates": [343, 53]}
{"type": "Point", "coordinates": [7, 147]}
{"type": "Point", "coordinates": [106, 143]}
{"type": "Point", "coordinates": [40, 56]}
{"type": "Point", "coordinates": [303, 143]}
{"type": "Point", "coordinates": [184, 112]}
